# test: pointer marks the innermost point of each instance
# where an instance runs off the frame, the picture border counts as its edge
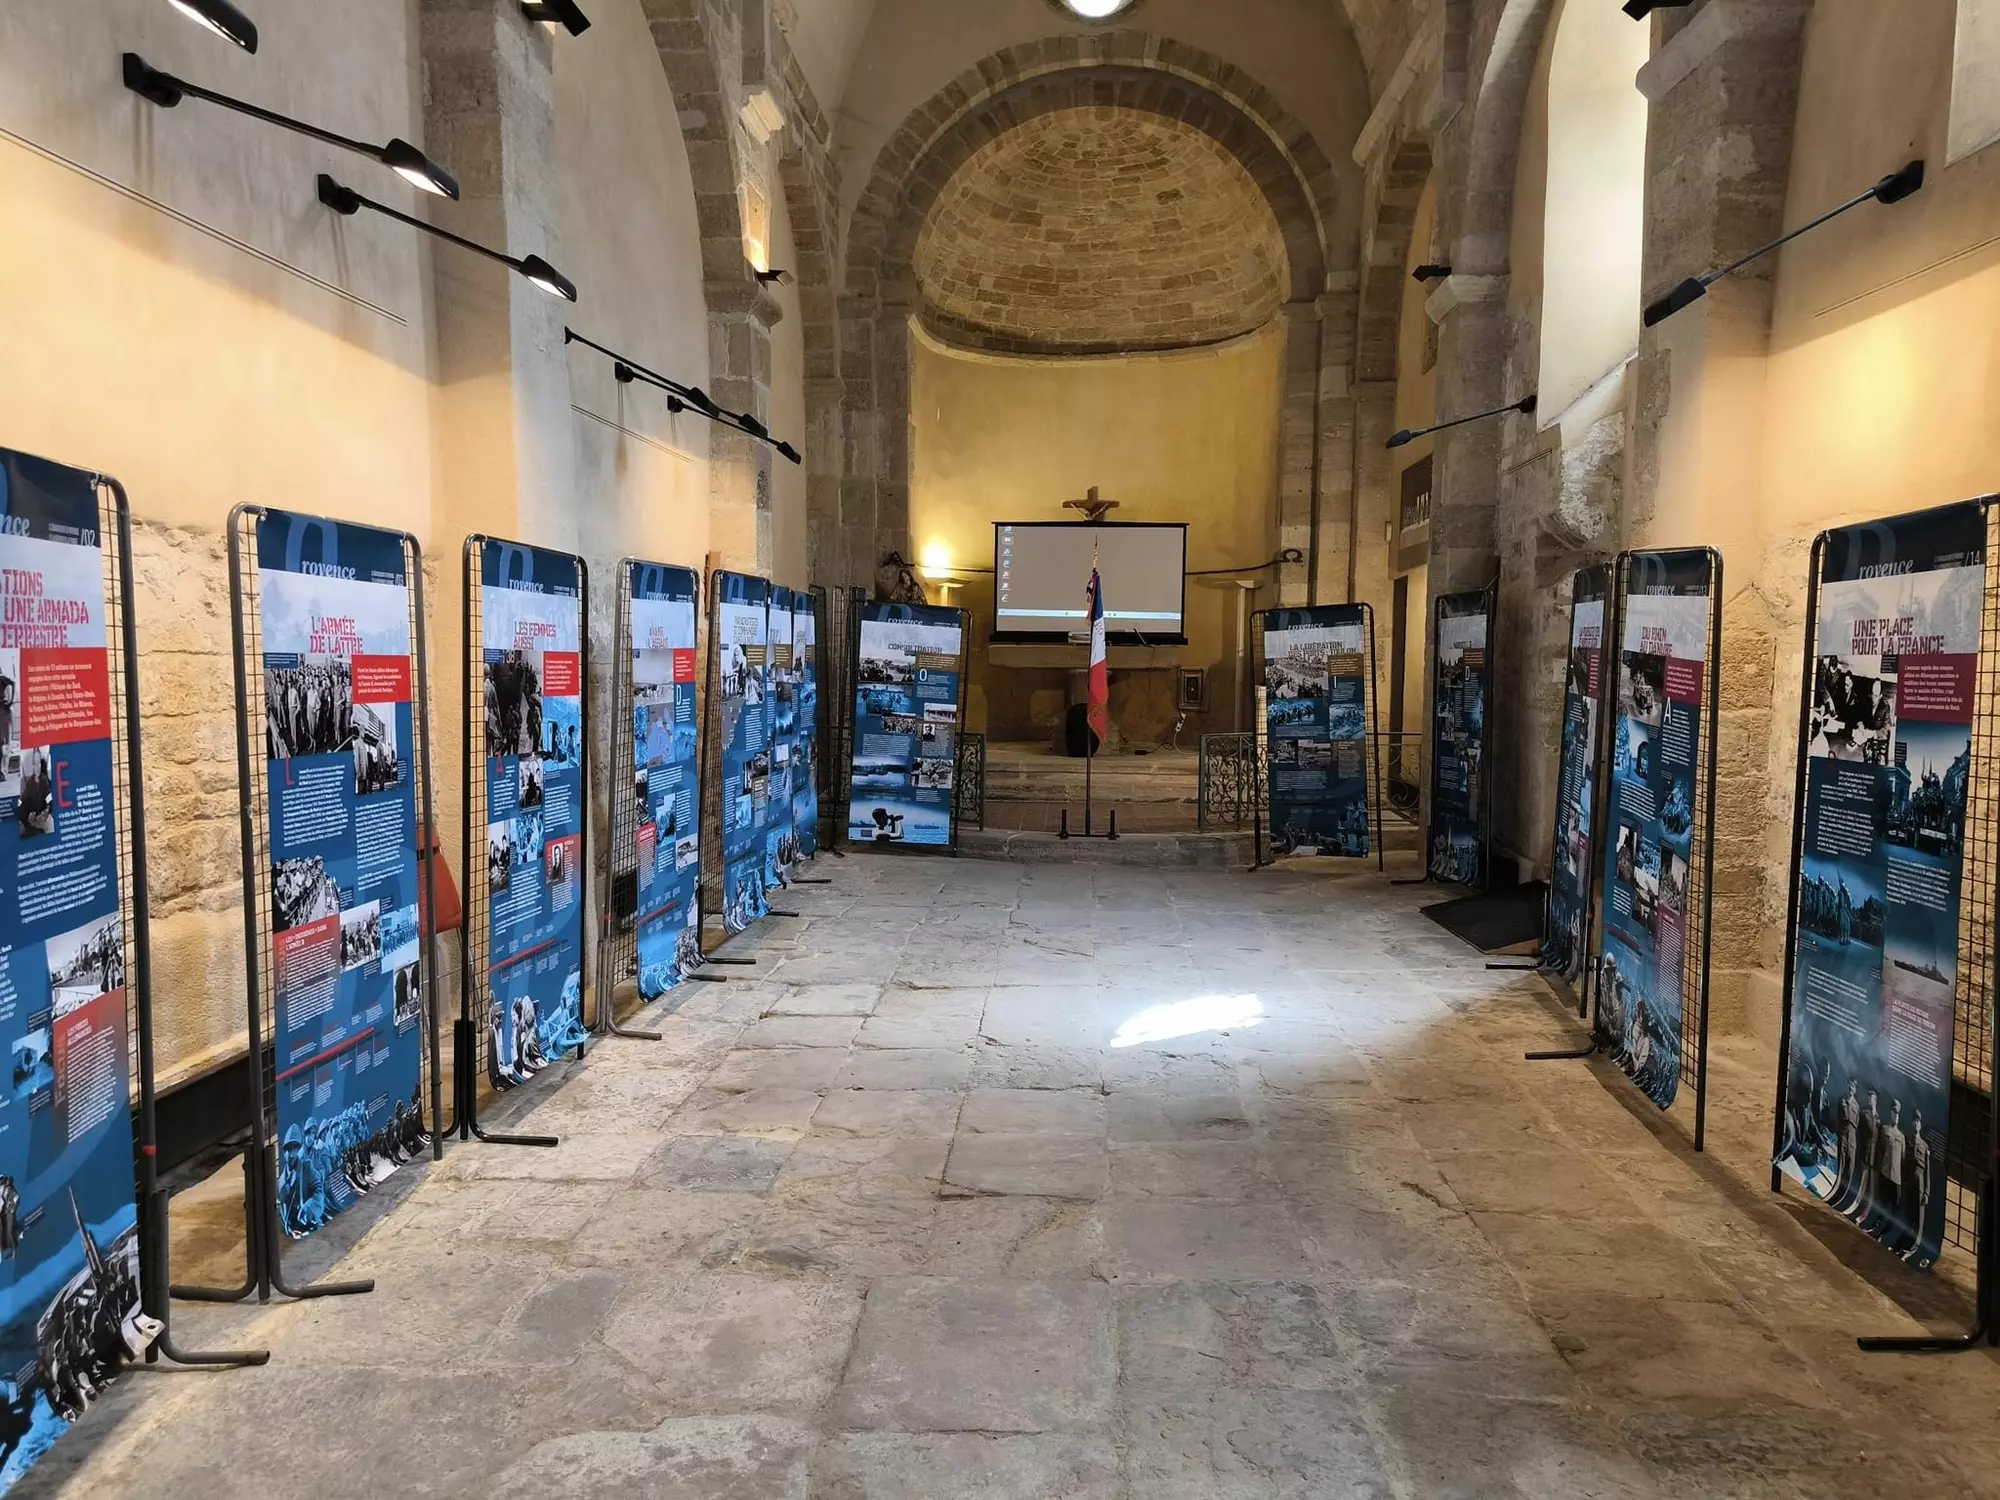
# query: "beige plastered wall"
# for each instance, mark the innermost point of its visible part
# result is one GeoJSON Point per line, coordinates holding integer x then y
{"type": "Point", "coordinates": [181, 312]}
{"type": "Point", "coordinates": [1189, 436]}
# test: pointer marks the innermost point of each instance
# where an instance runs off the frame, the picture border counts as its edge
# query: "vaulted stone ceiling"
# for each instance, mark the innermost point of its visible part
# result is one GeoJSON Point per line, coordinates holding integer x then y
{"type": "Point", "coordinates": [1099, 229]}
{"type": "Point", "coordinates": [827, 35]}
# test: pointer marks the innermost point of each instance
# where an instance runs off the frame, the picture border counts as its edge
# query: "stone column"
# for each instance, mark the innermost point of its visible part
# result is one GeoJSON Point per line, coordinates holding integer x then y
{"type": "Point", "coordinates": [740, 316]}
{"type": "Point", "coordinates": [1724, 94]}
{"type": "Point", "coordinates": [860, 421]}
{"type": "Point", "coordinates": [892, 396]}
{"type": "Point", "coordinates": [1298, 423]}
{"type": "Point", "coordinates": [504, 426]}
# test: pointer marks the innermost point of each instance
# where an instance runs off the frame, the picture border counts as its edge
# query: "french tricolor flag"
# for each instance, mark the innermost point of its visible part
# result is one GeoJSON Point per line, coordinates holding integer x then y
{"type": "Point", "coordinates": [1100, 670]}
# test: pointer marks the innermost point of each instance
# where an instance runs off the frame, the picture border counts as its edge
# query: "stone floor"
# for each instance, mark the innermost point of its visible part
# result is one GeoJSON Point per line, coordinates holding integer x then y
{"type": "Point", "coordinates": [1001, 1181]}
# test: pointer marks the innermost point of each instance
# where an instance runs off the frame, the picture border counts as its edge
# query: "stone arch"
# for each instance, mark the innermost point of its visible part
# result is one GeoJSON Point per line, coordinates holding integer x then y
{"type": "Point", "coordinates": [1115, 69]}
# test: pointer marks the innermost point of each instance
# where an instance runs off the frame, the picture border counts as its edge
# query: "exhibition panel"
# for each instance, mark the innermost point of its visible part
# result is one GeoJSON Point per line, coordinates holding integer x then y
{"type": "Point", "coordinates": [532, 773]}
{"type": "Point", "coordinates": [1461, 678]}
{"type": "Point", "coordinates": [1566, 938]}
{"type": "Point", "coordinates": [806, 607]}
{"type": "Point", "coordinates": [1655, 857]}
{"type": "Point", "coordinates": [782, 712]}
{"type": "Point", "coordinates": [333, 695]}
{"type": "Point", "coordinates": [1886, 1066]}
{"type": "Point", "coordinates": [739, 628]}
{"type": "Point", "coordinates": [658, 741]}
{"type": "Point", "coordinates": [909, 671]}
{"type": "Point", "coordinates": [1318, 669]}
{"type": "Point", "coordinates": [70, 1295]}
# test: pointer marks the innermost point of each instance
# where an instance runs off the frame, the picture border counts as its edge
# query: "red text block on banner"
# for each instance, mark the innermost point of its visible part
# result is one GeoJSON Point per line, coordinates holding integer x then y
{"type": "Point", "coordinates": [683, 664]}
{"type": "Point", "coordinates": [562, 674]}
{"type": "Point", "coordinates": [1684, 679]}
{"type": "Point", "coordinates": [381, 679]}
{"type": "Point", "coordinates": [65, 695]}
{"type": "Point", "coordinates": [1935, 689]}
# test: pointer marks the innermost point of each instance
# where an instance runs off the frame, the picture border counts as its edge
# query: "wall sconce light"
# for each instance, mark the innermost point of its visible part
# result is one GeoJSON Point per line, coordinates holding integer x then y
{"type": "Point", "coordinates": [345, 201]}
{"type": "Point", "coordinates": [681, 397]}
{"type": "Point", "coordinates": [1430, 273]}
{"type": "Point", "coordinates": [1525, 404]}
{"type": "Point", "coordinates": [563, 13]}
{"type": "Point", "coordinates": [405, 160]}
{"type": "Point", "coordinates": [775, 277]}
{"type": "Point", "coordinates": [1638, 10]}
{"type": "Point", "coordinates": [222, 18]}
{"type": "Point", "coordinates": [1894, 188]}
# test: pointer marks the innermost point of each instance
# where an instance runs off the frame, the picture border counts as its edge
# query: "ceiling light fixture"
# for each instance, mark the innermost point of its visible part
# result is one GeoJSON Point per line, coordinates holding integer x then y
{"type": "Point", "coordinates": [1525, 404]}
{"type": "Point", "coordinates": [681, 397]}
{"type": "Point", "coordinates": [1095, 10]}
{"type": "Point", "coordinates": [405, 160]}
{"type": "Point", "coordinates": [222, 18]}
{"type": "Point", "coordinates": [345, 201]}
{"type": "Point", "coordinates": [1894, 188]}
{"type": "Point", "coordinates": [780, 278]}
{"type": "Point", "coordinates": [563, 13]}
{"type": "Point", "coordinates": [1429, 272]}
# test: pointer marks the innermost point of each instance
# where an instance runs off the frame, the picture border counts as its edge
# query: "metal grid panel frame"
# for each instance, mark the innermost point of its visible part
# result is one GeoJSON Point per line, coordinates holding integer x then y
{"type": "Point", "coordinates": [1260, 790]}
{"type": "Point", "coordinates": [475, 948]}
{"type": "Point", "coordinates": [255, 810]}
{"type": "Point", "coordinates": [1972, 1136]}
{"type": "Point", "coordinates": [620, 960]}
{"type": "Point", "coordinates": [1698, 913]}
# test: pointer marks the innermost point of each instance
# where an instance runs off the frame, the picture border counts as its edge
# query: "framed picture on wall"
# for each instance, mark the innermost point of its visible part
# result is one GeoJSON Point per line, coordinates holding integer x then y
{"type": "Point", "coordinates": [1413, 524]}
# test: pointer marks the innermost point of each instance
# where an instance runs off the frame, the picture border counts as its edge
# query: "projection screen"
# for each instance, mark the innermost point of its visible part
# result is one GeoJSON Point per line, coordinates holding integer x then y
{"type": "Point", "coordinates": [1041, 570]}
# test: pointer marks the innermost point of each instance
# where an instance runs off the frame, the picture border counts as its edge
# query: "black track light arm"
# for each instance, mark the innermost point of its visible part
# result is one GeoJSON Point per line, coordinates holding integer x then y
{"type": "Point", "coordinates": [345, 201]}
{"type": "Point", "coordinates": [222, 18]}
{"type": "Point", "coordinates": [1525, 405]}
{"type": "Point", "coordinates": [1430, 272]}
{"type": "Point", "coordinates": [1638, 10]}
{"type": "Point", "coordinates": [167, 90]}
{"type": "Point", "coordinates": [564, 13]}
{"type": "Point", "coordinates": [1894, 188]}
{"type": "Point", "coordinates": [681, 397]}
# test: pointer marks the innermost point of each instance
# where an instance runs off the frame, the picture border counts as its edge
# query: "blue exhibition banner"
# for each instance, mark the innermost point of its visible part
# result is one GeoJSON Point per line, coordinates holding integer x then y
{"type": "Point", "coordinates": [1565, 943]}
{"type": "Point", "coordinates": [906, 711]}
{"type": "Point", "coordinates": [741, 633]}
{"type": "Point", "coordinates": [1316, 729]}
{"type": "Point", "coordinates": [1643, 976]}
{"type": "Point", "coordinates": [1462, 681]}
{"type": "Point", "coordinates": [780, 840]}
{"type": "Point", "coordinates": [1881, 847]}
{"type": "Point", "coordinates": [666, 778]}
{"type": "Point", "coordinates": [805, 764]}
{"type": "Point", "coordinates": [531, 639]}
{"type": "Point", "coordinates": [334, 607]}
{"type": "Point", "coordinates": [69, 1259]}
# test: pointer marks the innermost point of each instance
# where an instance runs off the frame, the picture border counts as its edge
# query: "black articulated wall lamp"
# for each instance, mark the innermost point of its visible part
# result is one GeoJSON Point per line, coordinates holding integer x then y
{"type": "Point", "coordinates": [1894, 188]}
{"type": "Point", "coordinates": [776, 278]}
{"type": "Point", "coordinates": [222, 18]}
{"type": "Point", "coordinates": [344, 200]}
{"type": "Point", "coordinates": [1429, 272]}
{"type": "Point", "coordinates": [681, 398]}
{"type": "Point", "coordinates": [1524, 405]}
{"type": "Point", "coordinates": [563, 13]}
{"type": "Point", "coordinates": [1638, 10]}
{"type": "Point", "coordinates": [405, 160]}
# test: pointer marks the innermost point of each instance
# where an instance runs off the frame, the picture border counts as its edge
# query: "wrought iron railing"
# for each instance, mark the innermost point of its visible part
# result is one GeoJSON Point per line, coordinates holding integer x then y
{"type": "Point", "coordinates": [1232, 782]}
{"type": "Point", "coordinates": [969, 781]}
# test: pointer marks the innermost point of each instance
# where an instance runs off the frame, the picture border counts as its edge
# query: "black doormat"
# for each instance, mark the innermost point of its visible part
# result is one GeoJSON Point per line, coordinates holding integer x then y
{"type": "Point", "coordinates": [1494, 921]}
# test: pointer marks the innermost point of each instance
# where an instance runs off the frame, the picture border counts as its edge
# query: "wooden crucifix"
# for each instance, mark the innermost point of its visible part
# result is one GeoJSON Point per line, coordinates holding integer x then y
{"type": "Point", "coordinates": [1093, 508]}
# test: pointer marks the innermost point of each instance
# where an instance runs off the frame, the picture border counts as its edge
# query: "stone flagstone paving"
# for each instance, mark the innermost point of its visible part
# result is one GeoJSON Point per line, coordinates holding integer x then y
{"type": "Point", "coordinates": [1000, 1181]}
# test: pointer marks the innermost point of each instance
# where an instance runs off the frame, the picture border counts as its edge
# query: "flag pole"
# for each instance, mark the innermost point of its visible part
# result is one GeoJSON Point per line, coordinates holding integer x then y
{"type": "Point", "coordinates": [1090, 659]}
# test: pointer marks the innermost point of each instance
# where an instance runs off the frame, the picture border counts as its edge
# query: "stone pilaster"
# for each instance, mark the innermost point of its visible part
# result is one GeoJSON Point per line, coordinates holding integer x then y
{"type": "Point", "coordinates": [1298, 413]}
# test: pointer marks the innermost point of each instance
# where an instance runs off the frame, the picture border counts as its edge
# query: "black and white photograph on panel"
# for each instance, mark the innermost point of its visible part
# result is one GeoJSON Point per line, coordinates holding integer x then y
{"type": "Point", "coordinates": [513, 703]}
{"type": "Point", "coordinates": [1853, 708]}
{"type": "Point", "coordinates": [499, 855]}
{"type": "Point", "coordinates": [309, 707]}
{"type": "Point", "coordinates": [360, 935]}
{"type": "Point", "coordinates": [35, 801]}
{"type": "Point", "coordinates": [377, 766]}
{"type": "Point", "coordinates": [528, 782]}
{"type": "Point", "coordinates": [86, 962]}
{"type": "Point", "coordinates": [302, 892]}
